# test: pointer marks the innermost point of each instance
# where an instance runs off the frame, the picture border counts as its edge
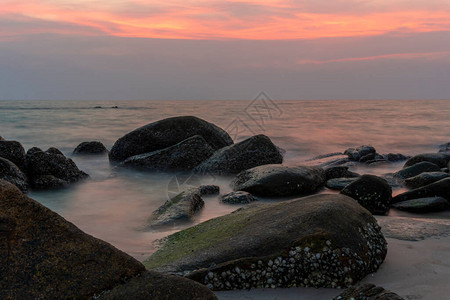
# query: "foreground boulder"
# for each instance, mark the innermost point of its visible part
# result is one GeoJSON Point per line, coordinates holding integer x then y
{"type": "Point", "coordinates": [179, 209]}
{"type": "Point", "coordinates": [51, 169]}
{"type": "Point", "coordinates": [11, 173]}
{"type": "Point", "coordinates": [86, 148]}
{"type": "Point", "coordinates": [425, 179]}
{"type": "Point", "coordinates": [14, 152]}
{"type": "Point", "coordinates": [439, 188]}
{"type": "Point", "coordinates": [367, 291]}
{"type": "Point", "coordinates": [43, 256]}
{"type": "Point", "coordinates": [277, 180]}
{"type": "Point", "coordinates": [166, 133]}
{"type": "Point", "coordinates": [372, 192]}
{"type": "Point", "coordinates": [440, 159]}
{"type": "Point", "coordinates": [183, 156]}
{"type": "Point", "coordinates": [423, 205]}
{"type": "Point", "coordinates": [417, 169]}
{"type": "Point", "coordinates": [252, 152]}
{"type": "Point", "coordinates": [318, 241]}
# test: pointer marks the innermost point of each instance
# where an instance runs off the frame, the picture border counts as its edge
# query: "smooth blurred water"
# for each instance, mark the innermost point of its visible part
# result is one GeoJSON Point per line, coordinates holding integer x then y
{"type": "Point", "coordinates": [114, 205]}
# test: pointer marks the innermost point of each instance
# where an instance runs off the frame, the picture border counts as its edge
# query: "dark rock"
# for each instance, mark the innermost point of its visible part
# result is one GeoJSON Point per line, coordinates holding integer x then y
{"type": "Point", "coordinates": [166, 133]}
{"type": "Point", "coordinates": [439, 188]}
{"type": "Point", "coordinates": [51, 169]}
{"type": "Point", "coordinates": [155, 286]}
{"type": "Point", "coordinates": [439, 159]}
{"type": "Point", "coordinates": [11, 173]}
{"type": "Point", "coordinates": [339, 183]}
{"type": "Point", "coordinates": [90, 148]}
{"type": "Point", "coordinates": [277, 180]}
{"type": "Point", "coordinates": [377, 162]}
{"type": "Point", "coordinates": [181, 208]}
{"type": "Point", "coordinates": [416, 169]}
{"type": "Point", "coordinates": [425, 179]}
{"type": "Point", "coordinates": [330, 160]}
{"type": "Point", "coordinates": [339, 172]}
{"type": "Point", "coordinates": [14, 152]}
{"type": "Point", "coordinates": [206, 190]}
{"type": "Point", "coordinates": [255, 151]}
{"type": "Point", "coordinates": [372, 192]}
{"type": "Point", "coordinates": [395, 157]}
{"type": "Point", "coordinates": [444, 147]}
{"type": "Point", "coordinates": [46, 256]}
{"type": "Point", "coordinates": [239, 197]}
{"type": "Point", "coordinates": [423, 205]}
{"type": "Point", "coordinates": [358, 153]}
{"type": "Point", "coordinates": [318, 241]}
{"type": "Point", "coordinates": [367, 157]}
{"type": "Point", "coordinates": [183, 156]}
{"type": "Point", "coordinates": [367, 291]}
{"type": "Point", "coordinates": [1, 138]}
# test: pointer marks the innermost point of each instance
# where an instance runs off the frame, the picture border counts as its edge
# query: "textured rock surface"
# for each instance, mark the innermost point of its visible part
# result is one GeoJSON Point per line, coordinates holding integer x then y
{"type": "Point", "coordinates": [93, 147]}
{"type": "Point", "coordinates": [320, 241]}
{"type": "Point", "coordinates": [180, 208]}
{"type": "Point", "coordinates": [239, 197]}
{"type": "Point", "coordinates": [423, 205]}
{"type": "Point", "coordinates": [356, 154]}
{"type": "Point", "coordinates": [439, 188]}
{"type": "Point", "coordinates": [255, 151]}
{"type": "Point", "coordinates": [417, 169]}
{"type": "Point", "coordinates": [372, 192]}
{"type": "Point", "coordinates": [51, 169]}
{"type": "Point", "coordinates": [183, 156]}
{"type": "Point", "coordinates": [339, 172]}
{"type": "Point", "coordinates": [425, 179]}
{"type": "Point", "coordinates": [14, 152]}
{"type": "Point", "coordinates": [367, 291]}
{"type": "Point", "coordinates": [440, 159]}
{"type": "Point", "coordinates": [277, 180]}
{"type": "Point", "coordinates": [165, 133]}
{"type": "Point", "coordinates": [209, 189]}
{"type": "Point", "coordinates": [339, 183]}
{"type": "Point", "coordinates": [11, 173]}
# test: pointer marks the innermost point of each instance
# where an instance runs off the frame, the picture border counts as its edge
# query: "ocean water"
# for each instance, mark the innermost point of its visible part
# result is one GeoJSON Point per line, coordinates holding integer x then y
{"type": "Point", "coordinates": [114, 205]}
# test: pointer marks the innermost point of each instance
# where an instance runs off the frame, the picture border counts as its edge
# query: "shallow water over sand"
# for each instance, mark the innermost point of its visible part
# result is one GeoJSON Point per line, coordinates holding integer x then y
{"type": "Point", "coordinates": [115, 205]}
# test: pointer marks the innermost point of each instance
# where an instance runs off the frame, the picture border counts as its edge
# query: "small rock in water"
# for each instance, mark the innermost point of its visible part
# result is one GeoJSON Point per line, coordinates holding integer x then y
{"type": "Point", "coordinates": [416, 169]}
{"type": "Point", "coordinates": [239, 197]}
{"type": "Point", "coordinates": [423, 205]}
{"type": "Point", "coordinates": [14, 152]}
{"type": "Point", "coordinates": [356, 154]}
{"type": "Point", "coordinates": [206, 190]}
{"type": "Point", "coordinates": [439, 188]}
{"type": "Point", "coordinates": [339, 172]}
{"type": "Point", "coordinates": [395, 157]}
{"type": "Point", "coordinates": [439, 159]}
{"type": "Point", "coordinates": [93, 147]}
{"type": "Point", "coordinates": [444, 147]}
{"type": "Point", "coordinates": [425, 179]}
{"type": "Point", "coordinates": [11, 173]}
{"type": "Point", "coordinates": [339, 183]}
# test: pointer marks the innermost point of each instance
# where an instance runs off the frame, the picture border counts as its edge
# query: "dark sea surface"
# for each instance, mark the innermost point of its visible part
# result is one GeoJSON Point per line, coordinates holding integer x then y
{"type": "Point", "coordinates": [114, 205]}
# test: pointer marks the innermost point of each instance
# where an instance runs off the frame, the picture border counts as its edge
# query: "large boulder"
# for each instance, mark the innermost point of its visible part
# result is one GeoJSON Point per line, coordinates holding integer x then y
{"type": "Point", "coordinates": [86, 148]}
{"type": "Point", "coordinates": [367, 291]}
{"type": "Point", "coordinates": [277, 180]}
{"type": "Point", "coordinates": [372, 192]}
{"type": "Point", "coordinates": [165, 133]}
{"type": "Point", "coordinates": [181, 208]}
{"type": "Point", "coordinates": [183, 156]}
{"type": "Point", "coordinates": [318, 241]}
{"type": "Point", "coordinates": [440, 159]}
{"type": "Point", "coordinates": [417, 169]}
{"type": "Point", "coordinates": [14, 152]}
{"type": "Point", "coordinates": [423, 205]}
{"type": "Point", "coordinates": [51, 169]}
{"type": "Point", "coordinates": [11, 173]}
{"type": "Point", "coordinates": [255, 151]}
{"type": "Point", "coordinates": [425, 178]}
{"type": "Point", "coordinates": [439, 188]}
{"type": "Point", "coordinates": [44, 256]}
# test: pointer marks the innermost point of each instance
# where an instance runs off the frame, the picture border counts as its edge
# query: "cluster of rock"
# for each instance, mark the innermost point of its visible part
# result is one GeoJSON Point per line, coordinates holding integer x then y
{"type": "Point", "coordinates": [36, 168]}
{"type": "Point", "coordinates": [44, 256]}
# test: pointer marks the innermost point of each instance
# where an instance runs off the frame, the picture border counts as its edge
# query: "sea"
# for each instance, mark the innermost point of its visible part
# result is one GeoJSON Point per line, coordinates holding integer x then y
{"type": "Point", "coordinates": [114, 204]}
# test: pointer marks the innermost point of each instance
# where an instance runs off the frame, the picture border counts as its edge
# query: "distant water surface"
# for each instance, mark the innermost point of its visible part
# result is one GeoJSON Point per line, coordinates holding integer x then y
{"type": "Point", "coordinates": [114, 205]}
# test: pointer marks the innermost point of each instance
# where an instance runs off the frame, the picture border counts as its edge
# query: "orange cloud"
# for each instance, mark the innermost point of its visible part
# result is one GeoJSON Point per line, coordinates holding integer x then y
{"type": "Point", "coordinates": [232, 19]}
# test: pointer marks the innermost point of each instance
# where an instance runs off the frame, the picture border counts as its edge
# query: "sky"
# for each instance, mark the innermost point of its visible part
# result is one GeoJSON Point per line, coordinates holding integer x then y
{"type": "Point", "coordinates": [118, 50]}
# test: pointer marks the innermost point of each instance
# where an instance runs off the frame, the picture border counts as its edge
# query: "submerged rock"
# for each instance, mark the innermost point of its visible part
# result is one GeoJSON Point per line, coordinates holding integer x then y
{"type": "Point", "coordinates": [317, 241]}
{"type": "Point", "coordinates": [439, 159]}
{"type": "Point", "coordinates": [339, 183]}
{"type": "Point", "coordinates": [367, 291]}
{"type": "Point", "coordinates": [439, 188]}
{"type": "Point", "coordinates": [255, 151]}
{"type": "Point", "coordinates": [356, 154]}
{"type": "Point", "coordinates": [423, 205]}
{"type": "Point", "coordinates": [165, 133]}
{"type": "Point", "coordinates": [425, 178]}
{"type": "Point", "coordinates": [210, 189]}
{"type": "Point", "coordinates": [339, 172]}
{"type": "Point", "coordinates": [14, 152]}
{"type": "Point", "coordinates": [393, 157]}
{"type": "Point", "coordinates": [372, 192]}
{"type": "Point", "coordinates": [183, 156]}
{"type": "Point", "coordinates": [277, 180]}
{"type": "Point", "coordinates": [239, 197]}
{"type": "Point", "coordinates": [51, 169]}
{"type": "Point", "coordinates": [90, 148]}
{"type": "Point", "coordinates": [11, 173]}
{"type": "Point", "coordinates": [444, 147]}
{"type": "Point", "coordinates": [416, 169]}
{"type": "Point", "coordinates": [179, 209]}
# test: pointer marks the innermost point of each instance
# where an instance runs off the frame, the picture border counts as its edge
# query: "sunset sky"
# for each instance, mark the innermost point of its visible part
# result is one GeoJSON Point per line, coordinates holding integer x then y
{"type": "Point", "coordinates": [344, 49]}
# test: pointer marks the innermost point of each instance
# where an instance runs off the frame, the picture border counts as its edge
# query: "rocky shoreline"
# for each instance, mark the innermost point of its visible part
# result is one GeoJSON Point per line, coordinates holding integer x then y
{"type": "Point", "coordinates": [322, 240]}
